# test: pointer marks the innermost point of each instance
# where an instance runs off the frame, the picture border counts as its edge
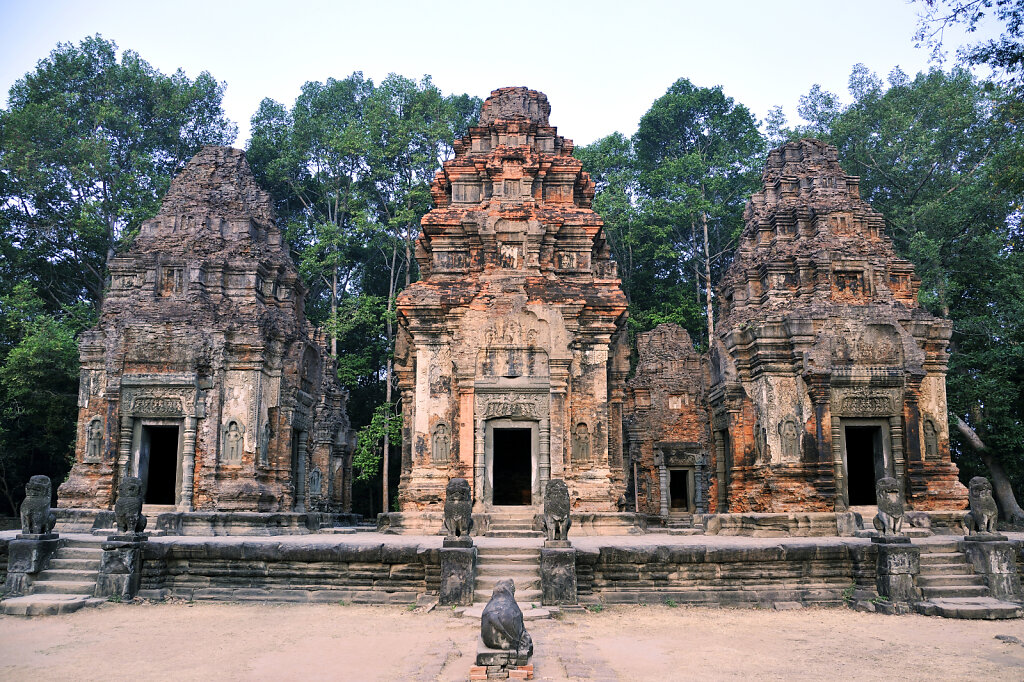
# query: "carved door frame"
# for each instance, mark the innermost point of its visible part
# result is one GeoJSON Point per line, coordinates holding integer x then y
{"type": "Point", "coordinates": [512, 423]}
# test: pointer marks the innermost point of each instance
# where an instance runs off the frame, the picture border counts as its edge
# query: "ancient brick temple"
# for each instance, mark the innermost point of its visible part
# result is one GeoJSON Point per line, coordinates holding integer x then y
{"type": "Point", "coordinates": [826, 373]}
{"type": "Point", "coordinates": [202, 376]}
{"type": "Point", "coordinates": [667, 426]}
{"type": "Point", "coordinates": [512, 353]}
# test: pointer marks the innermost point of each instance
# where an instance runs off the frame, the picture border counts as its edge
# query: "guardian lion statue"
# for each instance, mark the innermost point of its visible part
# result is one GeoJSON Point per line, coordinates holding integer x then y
{"type": "Point", "coordinates": [128, 508]}
{"type": "Point", "coordinates": [501, 623]}
{"type": "Point", "coordinates": [458, 509]}
{"type": "Point", "coordinates": [889, 520]}
{"type": "Point", "coordinates": [36, 517]}
{"type": "Point", "coordinates": [984, 514]}
{"type": "Point", "coordinates": [556, 510]}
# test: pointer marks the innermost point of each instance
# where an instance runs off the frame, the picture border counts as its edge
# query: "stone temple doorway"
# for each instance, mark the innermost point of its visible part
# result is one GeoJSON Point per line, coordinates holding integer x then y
{"type": "Point", "coordinates": [865, 460]}
{"type": "Point", "coordinates": [680, 486]}
{"type": "Point", "coordinates": [158, 465]}
{"type": "Point", "coordinates": [512, 466]}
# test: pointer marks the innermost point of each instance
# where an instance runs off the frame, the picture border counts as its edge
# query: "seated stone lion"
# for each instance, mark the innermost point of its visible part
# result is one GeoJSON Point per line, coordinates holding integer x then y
{"type": "Point", "coordinates": [128, 508]}
{"type": "Point", "coordinates": [36, 517]}
{"type": "Point", "coordinates": [556, 510]}
{"type": "Point", "coordinates": [889, 520]}
{"type": "Point", "coordinates": [501, 624]}
{"type": "Point", "coordinates": [458, 508]}
{"type": "Point", "coordinates": [984, 514]}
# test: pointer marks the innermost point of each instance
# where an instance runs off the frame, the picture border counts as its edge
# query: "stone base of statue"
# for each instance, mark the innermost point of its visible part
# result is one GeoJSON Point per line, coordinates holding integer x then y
{"type": "Point", "coordinates": [890, 539]}
{"type": "Point", "coordinates": [458, 576]}
{"type": "Point", "coordinates": [27, 555]}
{"type": "Point", "coordinates": [499, 658]}
{"type": "Point", "coordinates": [120, 566]}
{"type": "Point", "coordinates": [463, 541]}
{"type": "Point", "coordinates": [897, 564]}
{"type": "Point", "coordinates": [995, 560]}
{"type": "Point", "coordinates": [558, 575]}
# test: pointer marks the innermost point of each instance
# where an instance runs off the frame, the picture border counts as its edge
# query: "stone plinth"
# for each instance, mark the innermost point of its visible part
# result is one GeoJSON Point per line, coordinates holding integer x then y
{"type": "Point", "coordinates": [28, 554]}
{"type": "Point", "coordinates": [992, 556]}
{"type": "Point", "coordinates": [558, 575]}
{"type": "Point", "coordinates": [458, 575]}
{"type": "Point", "coordinates": [897, 564]}
{"type": "Point", "coordinates": [499, 657]}
{"type": "Point", "coordinates": [120, 566]}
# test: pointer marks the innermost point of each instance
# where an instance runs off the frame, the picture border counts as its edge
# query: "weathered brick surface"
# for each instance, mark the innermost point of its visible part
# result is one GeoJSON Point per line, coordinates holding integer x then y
{"type": "Point", "coordinates": [667, 425]}
{"type": "Point", "coordinates": [820, 325]}
{"type": "Point", "coordinates": [203, 329]}
{"type": "Point", "coordinates": [518, 320]}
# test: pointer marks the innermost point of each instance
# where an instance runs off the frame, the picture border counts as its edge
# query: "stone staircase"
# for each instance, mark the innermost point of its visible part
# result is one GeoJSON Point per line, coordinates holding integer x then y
{"type": "Point", "coordinates": [683, 523]}
{"type": "Point", "coordinates": [521, 564]}
{"type": "Point", "coordinates": [66, 585]}
{"type": "Point", "coordinates": [512, 525]}
{"type": "Point", "coordinates": [952, 589]}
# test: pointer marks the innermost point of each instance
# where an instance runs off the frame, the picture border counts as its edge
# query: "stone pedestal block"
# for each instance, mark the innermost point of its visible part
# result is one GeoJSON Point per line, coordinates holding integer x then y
{"type": "Point", "coordinates": [28, 554]}
{"type": "Point", "coordinates": [458, 576]}
{"type": "Point", "coordinates": [995, 560]}
{"type": "Point", "coordinates": [499, 658]}
{"type": "Point", "coordinates": [558, 576]}
{"type": "Point", "coordinates": [120, 567]}
{"type": "Point", "coordinates": [895, 568]}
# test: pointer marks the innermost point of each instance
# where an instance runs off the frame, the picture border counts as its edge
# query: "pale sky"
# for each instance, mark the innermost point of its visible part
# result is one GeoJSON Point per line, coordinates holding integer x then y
{"type": "Point", "coordinates": [601, 63]}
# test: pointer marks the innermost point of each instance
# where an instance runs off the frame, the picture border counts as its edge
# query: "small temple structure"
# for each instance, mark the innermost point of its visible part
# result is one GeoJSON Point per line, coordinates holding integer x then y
{"type": "Point", "coordinates": [203, 377]}
{"type": "Point", "coordinates": [512, 353]}
{"type": "Point", "coordinates": [826, 373]}
{"type": "Point", "coordinates": [667, 427]}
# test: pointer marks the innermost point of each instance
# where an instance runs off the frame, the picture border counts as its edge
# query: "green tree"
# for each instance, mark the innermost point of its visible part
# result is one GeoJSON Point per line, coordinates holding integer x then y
{"type": "Point", "coordinates": [38, 391]}
{"type": "Point", "coordinates": [698, 154]}
{"type": "Point", "coordinates": [88, 145]}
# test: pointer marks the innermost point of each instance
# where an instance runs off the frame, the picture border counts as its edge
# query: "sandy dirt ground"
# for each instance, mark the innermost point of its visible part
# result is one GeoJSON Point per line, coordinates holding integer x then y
{"type": "Point", "coordinates": [220, 641]}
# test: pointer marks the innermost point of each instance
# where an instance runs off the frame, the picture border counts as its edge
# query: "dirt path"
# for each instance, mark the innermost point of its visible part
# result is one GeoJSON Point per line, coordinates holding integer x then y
{"type": "Point", "coordinates": [204, 641]}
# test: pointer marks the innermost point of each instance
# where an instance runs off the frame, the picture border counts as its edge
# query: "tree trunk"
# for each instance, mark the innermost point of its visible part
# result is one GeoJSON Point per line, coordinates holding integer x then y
{"type": "Point", "coordinates": [334, 312]}
{"type": "Point", "coordinates": [1001, 487]}
{"type": "Point", "coordinates": [387, 382]}
{"type": "Point", "coordinates": [707, 279]}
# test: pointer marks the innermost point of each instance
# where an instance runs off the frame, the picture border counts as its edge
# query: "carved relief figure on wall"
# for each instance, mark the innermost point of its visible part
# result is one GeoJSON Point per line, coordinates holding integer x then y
{"type": "Point", "coordinates": [233, 439]}
{"type": "Point", "coordinates": [760, 443]}
{"type": "Point", "coordinates": [790, 439]}
{"type": "Point", "coordinates": [581, 443]}
{"type": "Point", "coordinates": [931, 440]}
{"type": "Point", "coordinates": [265, 435]}
{"type": "Point", "coordinates": [316, 483]}
{"type": "Point", "coordinates": [94, 447]}
{"type": "Point", "coordinates": [441, 446]}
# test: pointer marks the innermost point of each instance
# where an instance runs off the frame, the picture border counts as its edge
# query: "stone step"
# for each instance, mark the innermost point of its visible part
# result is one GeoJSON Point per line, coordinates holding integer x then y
{"type": "Point", "coordinates": [967, 591]}
{"type": "Point", "coordinates": [489, 558]}
{"type": "Point", "coordinates": [950, 580]}
{"type": "Point", "coordinates": [941, 547]}
{"type": "Point", "coordinates": [67, 574]}
{"type": "Point", "coordinates": [91, 553]}
{"type": "Point", "coordinates": [523, 598]}
{"type": "Point", "coordinates": [63, 587]}
{"type": "Point", "coordinates": [79, 564]}
{"type": "Point", "coordinates": [529, 611]}
{"type": "Point", "coordinates": [929, 558]}
{"type": "Point", "coordinates": [513, 534]}
{"type": "Point", "coordinates": [946, 569]}
{"type": "Point", "coordinates": [524, 568]}
{"type": "Point", "coordinates": [47, 604]}
{"type": "Point", "coordinates": [486, 583]}
{"type": "Point", "coordinates": [976, 608]}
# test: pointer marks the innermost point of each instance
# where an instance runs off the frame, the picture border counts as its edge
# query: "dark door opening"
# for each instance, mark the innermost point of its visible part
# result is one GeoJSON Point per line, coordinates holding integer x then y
{"type": "Point", "coordinates": [865, 463]}
{"type": "Point", "coordinates": [679, 489]}
{"type": "Point", "coordinates": [158, 463]}
{"type": "Point", "coordinates": [513, 467]}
